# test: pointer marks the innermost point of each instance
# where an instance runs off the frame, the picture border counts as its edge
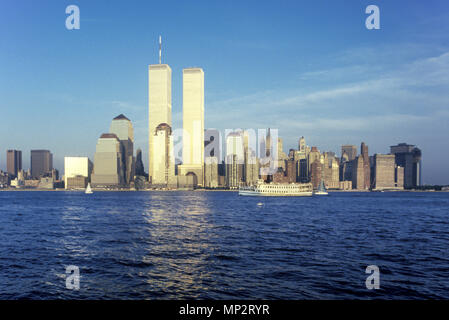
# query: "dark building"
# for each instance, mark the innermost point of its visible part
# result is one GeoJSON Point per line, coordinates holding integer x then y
{"type": "Point", "coordinates": [316, 174]}
{"type": "Point", "coordinates": [346, 169]}
{"type": "Point", "coordinates": [303, 170]}
{"type": "Point", "coordinates": [13, 162]}
{"type": "Point", "coordinates": [140, 171]}
{"type": "Point", "coordinates": [409, 157]}
{"type": "Point", "coordinates": [366, 166]}
{"type": "Point", "coordinates": [291, 170]}
{"type": "Point", "coordinates": [41, 163]}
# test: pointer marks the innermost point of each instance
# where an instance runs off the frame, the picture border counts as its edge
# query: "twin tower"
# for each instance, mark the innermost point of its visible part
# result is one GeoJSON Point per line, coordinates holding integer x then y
{"type": "Point", "coordinates": [161, 167]}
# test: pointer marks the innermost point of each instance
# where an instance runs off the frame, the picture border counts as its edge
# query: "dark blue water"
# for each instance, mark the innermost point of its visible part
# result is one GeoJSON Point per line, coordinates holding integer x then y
{"type": "Point", "coordinates": [217, 245]}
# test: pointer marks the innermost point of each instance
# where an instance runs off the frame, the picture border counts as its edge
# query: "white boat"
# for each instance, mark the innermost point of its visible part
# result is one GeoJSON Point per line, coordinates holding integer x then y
{"type": "Point", "coordinates": [88, 189]}
{"type": "Point", "coordinates": [277, 189]}
{"type": "Point", "coordinates": [321, 190]}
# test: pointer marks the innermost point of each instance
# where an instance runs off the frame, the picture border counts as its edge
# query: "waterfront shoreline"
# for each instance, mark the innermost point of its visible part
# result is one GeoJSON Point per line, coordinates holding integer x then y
{"type": "Point", "coordinates": [198, 190]}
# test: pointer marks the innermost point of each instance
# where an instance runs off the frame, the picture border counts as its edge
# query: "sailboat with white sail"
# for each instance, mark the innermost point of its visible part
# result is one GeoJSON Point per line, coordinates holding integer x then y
{"type": "Point", "coordinates": [321, 191]}
{"type": "Point", "coordinates": [88, 189]}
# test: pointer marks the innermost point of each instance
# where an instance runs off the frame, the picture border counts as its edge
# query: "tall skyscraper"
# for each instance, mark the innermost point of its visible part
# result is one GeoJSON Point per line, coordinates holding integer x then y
{"type": "Point", "coordinates": [41, 163]}
{"type": "Point", "coordinates": [350, 150]}
{"type": "Point", "coordinates": [159, 116]}
{"type": "Point", "coordinates": [409, 157]}
{"type": "Point", "coordinates": [282, 157]}
{"type": "Point", "coordinates": [122, 127]}
{"type": "Point", "coordinates": [366, 166]}
{"type": "Point", "coordinates": [13, 162]}
{"type": "Point", "coordinates": [234, 159]}
{"type": "Point", "coordinates": [384, 171]}
{"type": "Point", "coordinates": [193, 124]}
{"type": "Point", "coordinates": [358, 173]}
{"type": "Point", "coordinates": [109, 170]}
{"type": "Point", "coordinates": [140, 170]}
{"type": "Point", "coordinates": [211, 172]}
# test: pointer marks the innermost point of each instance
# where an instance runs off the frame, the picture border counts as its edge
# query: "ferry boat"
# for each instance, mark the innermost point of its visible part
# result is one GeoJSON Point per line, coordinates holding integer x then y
{"type": "Point", "coordinates": [277, 189]}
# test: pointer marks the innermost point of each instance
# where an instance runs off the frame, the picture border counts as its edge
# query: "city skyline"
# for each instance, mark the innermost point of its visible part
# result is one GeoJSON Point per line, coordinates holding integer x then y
{"type": "Point", "coordinates": [402, 83]}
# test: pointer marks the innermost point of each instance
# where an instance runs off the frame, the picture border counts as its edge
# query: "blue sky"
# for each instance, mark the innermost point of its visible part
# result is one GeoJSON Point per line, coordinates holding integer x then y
{"type": "Point", "coordinates": [305, 67]}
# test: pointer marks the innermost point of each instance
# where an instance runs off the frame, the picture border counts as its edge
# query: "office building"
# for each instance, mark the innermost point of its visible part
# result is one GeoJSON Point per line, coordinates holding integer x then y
{"type": "Point", "coordinates": [358, 173]}
{"type": "Point", "coordinates": [350, 151]}
{"type": "Point", "coordinates": [41, 163]}
{"type": "Point", "coordinates": [282, 156]}
{"type": "Point", "coordinates": [140, 170]}
{"type": "Point", "coordinates": [314, 155]}
{"type": "Point", "coordinates": [108, 163]}
{"type": "Point", "coordinates": [366, 166]}
{"type": "Point", "coordinates": [77, 172]}
{"type": "Point", "coordinates": [13, 162]}
{"type": "Point", "coordinates": [193, 124]}
{"type": "Point", "coordinates": [159, 124]}
{"type": "Point", "coordinates": [316, 173]}
{"type": "Point", "coordinates": [211, 172]}
{"type": "Point", "coordinates": [122, 127]}
{"type": "Point", "coordinates": [234, 159]}
{"type": "Point", "coordinates": [384, 171]}
{"type": "Point", "coordinates": [408, 157]}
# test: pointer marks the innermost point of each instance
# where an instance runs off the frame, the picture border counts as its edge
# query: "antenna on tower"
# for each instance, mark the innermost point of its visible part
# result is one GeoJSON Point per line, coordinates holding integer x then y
{"type": "Point", "coordinates": [160, 49]}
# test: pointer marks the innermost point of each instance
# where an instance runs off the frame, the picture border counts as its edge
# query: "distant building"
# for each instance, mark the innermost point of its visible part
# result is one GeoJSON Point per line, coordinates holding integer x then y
{"type": "Point", "coordinates": [345, 185]}
{"type": "Point", "coordinates": [193, 124]}
{"type": "Point", "coordinates": [122, 127]}
{"type": "Point", "coordinates": [280, 176]}
{"type": "Point", "coordinates": [140, 170]}
{"type": "Point", "coordinates": [291, 171]}
{"type": "Point", "coordinates": [46, 183]}
{"type": "Point", "coordinates": [251, 163]}
{"type": "Point", "coordinates": [108, 163]}
{"type": "Point", "coordinates": [350, 150]}
{"type": "Point", "coordinates": [159, 125]}
{"type": "Point", "coordinates": [13, 162]}
{"type": "Point", "coordinates": [384, 171]}
{"type": "Point", "coordinates": [399, 177]}
{"type": "Point", "coordinates": [331, 174]}
{"type": "Point", "coordinates": [75, 169]}
{"type": "Point", "coordinates": [76, 182]}
{"type": "Point", "coordinates": [234, 159]}
{"type": "Point", "coordinates": [409, 157]}
{"type": "Point", "coordinates": [211, 173]}
{"type": "Point", "coordinates": [301, 158]}
{"type": "Point", "coordinates": [358, 173]}
{"type": "Point", "coordinates": [41, 163]}
{"type": "Point", "coordinates": [163, 160]}
{"type": "Point", "coordinates": [282, 156]}
{"type": "Point", "coordinates": [4, 179]}
{"type": "Point", "coordinates": [346, 168]}
{"type": "Point", "coordinates": [366, 166]}
{"type": "Point", "coordinates": [316, 173]}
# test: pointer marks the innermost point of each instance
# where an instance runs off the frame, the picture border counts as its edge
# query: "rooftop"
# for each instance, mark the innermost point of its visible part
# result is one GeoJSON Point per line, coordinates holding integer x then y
{"type": "Point", "coordinates": [108, 136]}
{"type": "Point", "coordinates": [121, 117]}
